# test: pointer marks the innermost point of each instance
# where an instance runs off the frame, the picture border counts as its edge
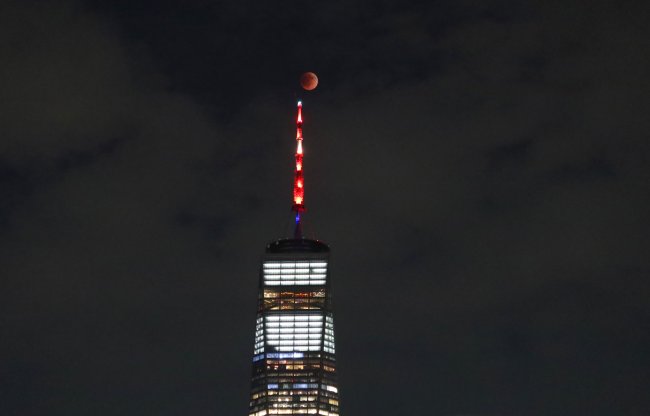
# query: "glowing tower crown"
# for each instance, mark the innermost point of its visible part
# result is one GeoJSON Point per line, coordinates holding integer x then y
{"type": "Point", "coordinates": [294, 362]}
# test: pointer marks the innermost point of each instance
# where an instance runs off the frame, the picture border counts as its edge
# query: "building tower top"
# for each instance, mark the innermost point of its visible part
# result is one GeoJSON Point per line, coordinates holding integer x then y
{"type": "Point", "coordinates": [294, 355]}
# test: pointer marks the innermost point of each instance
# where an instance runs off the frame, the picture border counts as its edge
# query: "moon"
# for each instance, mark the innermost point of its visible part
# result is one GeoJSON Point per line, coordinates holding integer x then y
{"type": "Point", "coordinates": [309, 81]}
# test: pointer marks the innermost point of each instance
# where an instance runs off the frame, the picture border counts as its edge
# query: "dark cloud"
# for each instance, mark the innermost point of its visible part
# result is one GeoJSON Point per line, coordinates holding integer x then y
{"type": "Point", "coordinates": [480, 171]}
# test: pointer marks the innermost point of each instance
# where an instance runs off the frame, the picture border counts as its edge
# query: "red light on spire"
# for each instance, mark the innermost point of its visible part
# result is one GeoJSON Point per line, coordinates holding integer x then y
{"type": "Point", "coordinates": [299, 120]}
{"type": "Point", "coordinates": [298, 181]}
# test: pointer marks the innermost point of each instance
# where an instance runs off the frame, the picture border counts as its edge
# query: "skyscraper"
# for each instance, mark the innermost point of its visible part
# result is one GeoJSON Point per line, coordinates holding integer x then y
{"type": "Point", "coordinates": [294, 363]}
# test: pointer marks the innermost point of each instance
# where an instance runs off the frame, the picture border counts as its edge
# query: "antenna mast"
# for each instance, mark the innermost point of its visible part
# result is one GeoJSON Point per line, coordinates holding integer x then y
{"type": "Point", "coordinates": [298, 182]}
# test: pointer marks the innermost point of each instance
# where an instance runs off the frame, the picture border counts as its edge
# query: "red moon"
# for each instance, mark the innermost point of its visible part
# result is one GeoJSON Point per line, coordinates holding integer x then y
{"type": "Point", "coordinates": [309, 81]}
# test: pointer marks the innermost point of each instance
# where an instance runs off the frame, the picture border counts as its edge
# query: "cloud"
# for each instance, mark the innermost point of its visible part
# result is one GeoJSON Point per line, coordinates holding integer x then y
{"type": "Point", "coordinates": [97, 167]}
{"type": "Point", "coordinates": [479, 172]}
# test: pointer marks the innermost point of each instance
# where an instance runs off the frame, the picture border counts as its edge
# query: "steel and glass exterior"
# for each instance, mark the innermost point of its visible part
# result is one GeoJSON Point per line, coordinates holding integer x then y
{"type": "Point", "coordinates": [294, 362]}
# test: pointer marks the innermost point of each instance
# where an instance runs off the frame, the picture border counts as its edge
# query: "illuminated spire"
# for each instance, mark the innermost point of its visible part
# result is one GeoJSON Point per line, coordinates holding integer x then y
{"type": "Point", "coordinates": [299, 181]}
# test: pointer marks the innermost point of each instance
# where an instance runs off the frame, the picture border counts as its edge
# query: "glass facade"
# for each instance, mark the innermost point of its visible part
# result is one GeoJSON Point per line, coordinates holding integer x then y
{"type": "Point", "coordinates": [294, 363]}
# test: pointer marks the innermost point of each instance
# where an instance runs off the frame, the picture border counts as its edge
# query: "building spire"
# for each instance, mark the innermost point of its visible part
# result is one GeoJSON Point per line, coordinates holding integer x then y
{"type": "Point", "coordinates": [298, 182]}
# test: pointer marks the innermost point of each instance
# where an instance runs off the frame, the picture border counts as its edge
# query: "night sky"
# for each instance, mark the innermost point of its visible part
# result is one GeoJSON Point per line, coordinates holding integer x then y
{"type": "Point", "coordinates": [480, 169]}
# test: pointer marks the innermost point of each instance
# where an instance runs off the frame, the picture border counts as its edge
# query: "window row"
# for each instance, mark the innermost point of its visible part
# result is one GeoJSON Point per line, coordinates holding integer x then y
{"type": "Point", "coordinates": [293, 304]}
{"type": "Point", "coordinates": [294, 282]}
{"type": "Point", "coordinates": [292, 264]}
{"type": "Point", "coordinates": [268, 293]}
